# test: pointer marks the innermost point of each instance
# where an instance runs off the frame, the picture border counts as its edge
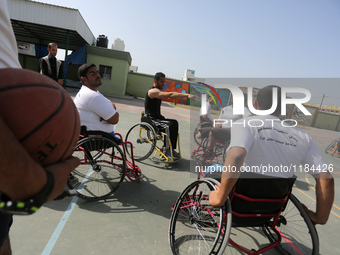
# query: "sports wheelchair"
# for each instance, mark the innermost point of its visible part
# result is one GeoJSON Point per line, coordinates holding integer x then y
{"type": "Point", "coordinates": [218, 147]}
{"type": "Point", "coordinates": [148, 140]}
{"type": "Point", "coordinates": [103, 165]}
{"type": "Point", "coordinates": [200, 125]}
{"type": "Point", "coordinates": [332, 148]}
{"type": "Point", "coordinates": [198, 228]}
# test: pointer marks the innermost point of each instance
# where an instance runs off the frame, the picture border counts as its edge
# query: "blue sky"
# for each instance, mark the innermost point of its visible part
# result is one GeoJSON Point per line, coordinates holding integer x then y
{"type": "Point", "coordinates": [234, 39]}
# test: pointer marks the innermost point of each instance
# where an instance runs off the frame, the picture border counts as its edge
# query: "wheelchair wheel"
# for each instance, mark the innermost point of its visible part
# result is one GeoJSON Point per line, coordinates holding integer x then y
{"type": "Point", "coordinates": [198, 127]}
{"type": "Point", "coordinates": [298, 233]}
{"type": "Point", "coordinates": [195, 226]}
{"type": "Point", "coordinates": [101, 170]}
{"type": "Point", "coordinates": [143, 138]}
{"type": "Point", "coordinates": [330, 148]}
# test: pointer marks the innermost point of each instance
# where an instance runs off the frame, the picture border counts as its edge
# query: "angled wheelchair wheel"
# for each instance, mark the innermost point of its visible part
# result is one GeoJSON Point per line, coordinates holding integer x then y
{"type": "Point", "coordinates": [198, 127]}
{"type": "Point", "coordinates": [195, 226]}
{"type": "Point", "coordinates": [298, 233]}
{"type": "Point", "coordinates": [102, 168]}
{"type": "Point", "coordinates": [143, 138]}
{"type": "Point", "coordinates": [332, 148]}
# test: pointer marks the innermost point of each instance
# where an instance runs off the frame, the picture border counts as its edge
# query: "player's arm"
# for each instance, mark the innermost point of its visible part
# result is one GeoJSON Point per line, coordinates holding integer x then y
{"type": "Point", "coordinates": [114, 119]}
{"type": "Point", "coordinates": [105, 109]}
{"type": "Point", "coordinates": [324, 185]}
{"type": "Point", "coordinates": [231, 172]}
{"type": "Point", "coordinates": [21, 177]}
{"type": "Point", "coordinates": [324, 190]}
{"type": "Point", "coordinates": [156, 93]}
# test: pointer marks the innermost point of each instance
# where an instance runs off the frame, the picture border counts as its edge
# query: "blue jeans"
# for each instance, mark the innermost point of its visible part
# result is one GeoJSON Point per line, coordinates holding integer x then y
{"type": "Point", "coordinates": [113, 134]}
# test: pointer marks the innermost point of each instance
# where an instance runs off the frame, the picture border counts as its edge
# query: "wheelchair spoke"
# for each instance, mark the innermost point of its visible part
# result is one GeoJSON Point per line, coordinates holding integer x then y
{"type": "Point", "coordinates": [143, 138]}
{"type": "Point", "coordinates": [196, 227]}
{"type": "Point", "coordinates": [298, 232]}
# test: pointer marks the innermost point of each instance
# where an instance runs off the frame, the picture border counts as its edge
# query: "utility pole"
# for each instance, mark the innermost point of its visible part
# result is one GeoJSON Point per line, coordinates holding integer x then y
{"type": "Point", "coordinates": [322, 101]}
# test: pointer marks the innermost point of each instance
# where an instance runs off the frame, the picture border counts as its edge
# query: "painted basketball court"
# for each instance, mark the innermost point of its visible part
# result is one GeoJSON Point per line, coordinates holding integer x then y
{"type": "Point", "coordinates": [136, 219]}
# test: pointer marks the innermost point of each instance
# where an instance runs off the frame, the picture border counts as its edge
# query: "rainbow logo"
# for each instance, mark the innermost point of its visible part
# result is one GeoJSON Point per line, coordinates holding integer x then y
{"type": "Point", "coordinates": [209, 93]}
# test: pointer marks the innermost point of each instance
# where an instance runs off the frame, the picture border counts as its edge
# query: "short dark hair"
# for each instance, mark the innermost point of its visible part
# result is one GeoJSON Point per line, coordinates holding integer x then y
{"type": "Point", "coordinates": [158, 76]}
{"type": "Point", "coordinates": [50, 45]}
{"type": "Point", "coordinates": [83, 69]}
{"type": "Point", "coordinates": [265, 99]}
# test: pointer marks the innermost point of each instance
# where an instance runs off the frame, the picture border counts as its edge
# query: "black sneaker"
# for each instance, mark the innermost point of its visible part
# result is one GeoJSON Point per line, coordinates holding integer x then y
{"type": "Point", "coordinates": [175, 155]}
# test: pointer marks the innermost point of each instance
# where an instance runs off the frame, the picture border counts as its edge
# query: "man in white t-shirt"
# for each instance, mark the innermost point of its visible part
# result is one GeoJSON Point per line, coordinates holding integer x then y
{"type": "Point", "coordinates": [263, 142]}
{"type": "Point", "coordinates": [96, 112]}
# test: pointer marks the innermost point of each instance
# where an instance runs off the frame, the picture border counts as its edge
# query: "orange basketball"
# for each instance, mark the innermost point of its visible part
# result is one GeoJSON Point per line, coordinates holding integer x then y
{"type": "Point", "coordinates": [40, 113]}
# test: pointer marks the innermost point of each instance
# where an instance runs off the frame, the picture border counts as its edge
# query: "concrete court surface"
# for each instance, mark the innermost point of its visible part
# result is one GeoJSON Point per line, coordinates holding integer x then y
{"type": "Point", "coordinates": [135, 219]}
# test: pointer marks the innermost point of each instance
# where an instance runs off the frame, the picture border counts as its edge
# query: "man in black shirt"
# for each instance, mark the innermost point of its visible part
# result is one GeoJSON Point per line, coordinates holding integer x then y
{"type": "Point", "coordinates": [50, 66]}
{"type": "Point", "coordinates": [153, 101]}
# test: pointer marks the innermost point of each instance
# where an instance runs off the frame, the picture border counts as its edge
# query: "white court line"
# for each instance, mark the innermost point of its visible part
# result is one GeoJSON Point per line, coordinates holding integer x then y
{"type": "Point", "coordinates": [54, 238]}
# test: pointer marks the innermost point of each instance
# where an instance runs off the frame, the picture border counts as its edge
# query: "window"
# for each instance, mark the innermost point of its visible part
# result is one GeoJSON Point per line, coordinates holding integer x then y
{"type": "Point", "coordinates": [105, 72]}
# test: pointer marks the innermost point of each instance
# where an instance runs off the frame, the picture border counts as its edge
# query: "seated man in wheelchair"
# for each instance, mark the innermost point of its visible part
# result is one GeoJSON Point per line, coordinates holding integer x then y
{"type": "Point", "coordinates": [96, 112]}
{"type": "Point", "coordinates": [273, 145]}
{"type": "Point", "coordinates": [153, 101]}
{"type": "Point", "coordinates": [221, 127]}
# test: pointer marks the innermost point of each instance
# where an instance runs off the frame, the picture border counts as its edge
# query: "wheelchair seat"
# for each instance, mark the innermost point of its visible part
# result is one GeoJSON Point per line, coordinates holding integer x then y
{"type": "Point", "coordinates": [256, 198]}
{"type": "Point", "coordinates": [157, 127]}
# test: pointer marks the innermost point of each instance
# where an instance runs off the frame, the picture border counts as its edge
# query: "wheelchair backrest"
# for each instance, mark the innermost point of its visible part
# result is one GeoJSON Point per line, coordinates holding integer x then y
{"type": "Point", "coordinates": [147, 119]}
{"type": "Point", "coordinates": [97, 133]}
{"type": "Point", "coordinates": [255, 194]}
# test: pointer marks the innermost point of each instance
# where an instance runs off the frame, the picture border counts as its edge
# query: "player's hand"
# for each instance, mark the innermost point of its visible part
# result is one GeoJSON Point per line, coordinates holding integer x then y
{"type": "Point", "coordinates": [214, 198]}
{"type": "Point", "coordinates": [61, 82]}
{"type": "Point", "coordinates": [311, 214]}
{"type": "Point", "coordinates": [193, 96]}
{"type": "Point", "coordinates": [113, 105]}
{"type": "Point", "coordinates": [61, 172]}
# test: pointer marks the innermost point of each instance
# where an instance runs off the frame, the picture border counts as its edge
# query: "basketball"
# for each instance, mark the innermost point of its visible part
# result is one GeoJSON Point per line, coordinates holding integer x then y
{"type": "Point", "coordinates": [40, 113]}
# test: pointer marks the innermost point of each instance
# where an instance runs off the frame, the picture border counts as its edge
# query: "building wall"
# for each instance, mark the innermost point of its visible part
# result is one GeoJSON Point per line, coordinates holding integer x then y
{"type": "Point", "coordinates": [29, 62]}
{"type": "Point", "coordinates": [138, 84]}
{"type": "Point", "coordinates": [120, 69]}
{"type": "Point", "coordinates": [327, 121]}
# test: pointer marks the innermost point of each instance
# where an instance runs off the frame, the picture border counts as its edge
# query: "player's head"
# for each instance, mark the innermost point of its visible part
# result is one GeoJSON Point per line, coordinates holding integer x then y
{"type": "Point", "coordinates": [52, 49]}
{"type": "Point", "coordinates": [159, 80]}
{"type": "Point", "coordinates": [89, 75]}
{"type": "Point", "coordinates": [265, 99]}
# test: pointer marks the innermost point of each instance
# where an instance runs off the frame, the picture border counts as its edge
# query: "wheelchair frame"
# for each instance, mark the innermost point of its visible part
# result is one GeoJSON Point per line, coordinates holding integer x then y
{"type": "Point", "coordinates": [197, 228]}
{"type": "Point", "coordinates": [103, 165]}
{"type": "Point", "coordinates": [219, 149]}
{"type": "Point", "coordinates": [200, 125]}
{"type": "Point", "coordinates": [144, 134]}
{"type": "Point", "coordinates": [331, 149]}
